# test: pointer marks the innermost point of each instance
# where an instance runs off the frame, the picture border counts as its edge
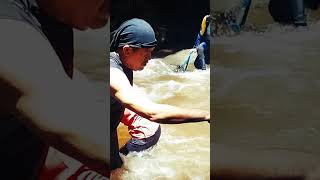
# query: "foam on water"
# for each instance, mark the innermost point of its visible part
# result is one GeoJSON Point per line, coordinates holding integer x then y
{"type": "Point", "coordinates": [162, 84]}
{"type": "Point", "coordinates": [174, 157]}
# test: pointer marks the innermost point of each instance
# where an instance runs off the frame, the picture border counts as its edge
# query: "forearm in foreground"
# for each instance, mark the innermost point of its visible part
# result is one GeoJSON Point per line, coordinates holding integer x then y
{"type": "Point", "coordinates": [78, 132]}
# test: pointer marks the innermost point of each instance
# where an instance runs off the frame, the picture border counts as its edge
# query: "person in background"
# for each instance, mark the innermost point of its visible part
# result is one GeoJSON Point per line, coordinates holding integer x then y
{"type": "Point", "coordinates": [289, 12]}
{"type": "Point", "coordinates": [240, 13]}
{"type": "Point", "coordinates": [201, 46]}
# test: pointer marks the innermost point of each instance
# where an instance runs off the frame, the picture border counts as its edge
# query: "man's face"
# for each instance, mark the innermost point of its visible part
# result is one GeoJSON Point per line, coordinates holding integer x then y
{"type": "Point", "coordinates": [79, 14]}
{"type": "Point", "coordinates": [137, 58]}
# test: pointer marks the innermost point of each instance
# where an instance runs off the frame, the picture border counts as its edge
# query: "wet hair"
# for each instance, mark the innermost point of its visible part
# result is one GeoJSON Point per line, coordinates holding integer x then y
{"type": "Point", "coordinates": [136, 33]}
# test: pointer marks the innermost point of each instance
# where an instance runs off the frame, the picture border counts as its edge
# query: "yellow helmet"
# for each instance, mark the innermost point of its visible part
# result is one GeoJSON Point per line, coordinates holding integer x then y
{"type": "Point", "coordinates": [204, 24]}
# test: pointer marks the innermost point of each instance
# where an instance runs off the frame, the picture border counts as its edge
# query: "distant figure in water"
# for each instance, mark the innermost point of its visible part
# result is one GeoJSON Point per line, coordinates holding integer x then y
{"type": "Point", "coordinates": [202, 44]}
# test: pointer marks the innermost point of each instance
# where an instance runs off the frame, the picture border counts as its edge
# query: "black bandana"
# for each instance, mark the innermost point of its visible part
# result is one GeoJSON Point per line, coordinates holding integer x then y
{"type": "Point", "coordinates": [134, 32]}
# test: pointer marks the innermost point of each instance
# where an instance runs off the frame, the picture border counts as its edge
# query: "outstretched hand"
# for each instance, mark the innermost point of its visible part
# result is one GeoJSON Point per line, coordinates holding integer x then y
{"type": "Point", "coordinates": [207, 118]}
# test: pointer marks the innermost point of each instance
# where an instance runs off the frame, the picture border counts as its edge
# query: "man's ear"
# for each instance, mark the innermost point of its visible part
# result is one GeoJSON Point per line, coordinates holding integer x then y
{"type": "Point", "coordinates": [126, 50]}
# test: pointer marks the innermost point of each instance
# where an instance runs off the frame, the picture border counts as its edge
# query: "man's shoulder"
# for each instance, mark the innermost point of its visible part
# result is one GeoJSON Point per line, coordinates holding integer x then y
{"type": "Point", "coordinates": [114, 56]}
{"type": "Point", "coordinates": [115, 61]}
{"type": "Point", "coordinates": [14, 31]}
{"type": "Point", "coordinates": [19, 12]}
{"type": "Point", "coordinates": [9, 9]}
{"type": "Point", "coordinates": [15, 10]}
{"type": "Point", "coordinates": [27, 58]}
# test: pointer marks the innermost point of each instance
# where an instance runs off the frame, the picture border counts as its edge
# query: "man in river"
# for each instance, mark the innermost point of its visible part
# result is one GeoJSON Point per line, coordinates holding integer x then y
{"type": "Point", "coordinates": [44, 100]}
{"type": "Point", "coordinates": [130, 50]}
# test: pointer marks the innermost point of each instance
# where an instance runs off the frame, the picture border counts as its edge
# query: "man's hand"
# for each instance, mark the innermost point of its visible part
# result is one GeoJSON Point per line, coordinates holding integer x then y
{"type": "Point", "coordinates": [193, 50]}
{"type": "Point", "coordinates": [207, 118]}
